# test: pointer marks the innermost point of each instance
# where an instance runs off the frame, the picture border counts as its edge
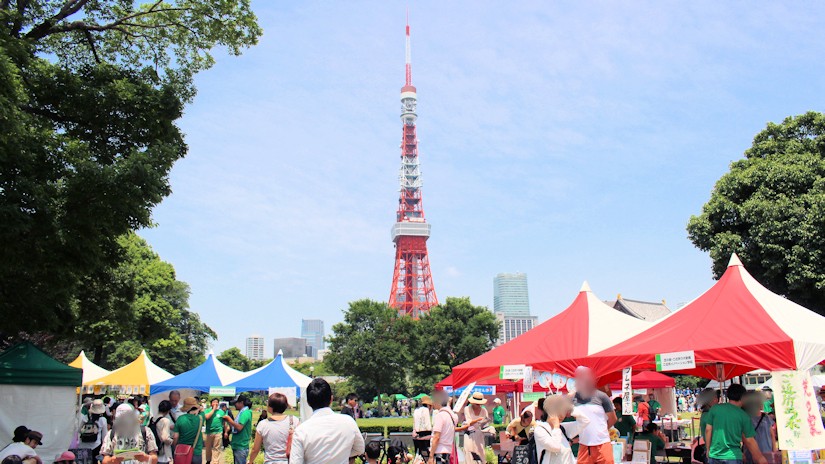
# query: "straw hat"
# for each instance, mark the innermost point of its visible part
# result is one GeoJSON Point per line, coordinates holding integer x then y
{"type": "Point", "coordinates": [97, 407]}
{"type": "Point", "coordinates": [477, 398]}
{"type": "Point", "coordinates": [426, 400]}
{"type": "Point", "coordinates": [189, 404]}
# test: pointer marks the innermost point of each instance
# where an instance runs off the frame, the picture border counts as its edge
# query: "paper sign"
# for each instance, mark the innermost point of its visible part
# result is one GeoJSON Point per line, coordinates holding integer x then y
{"type": "Point", "coordinates": [221, 391]}
{"type": "Point", "coordinates": [798, 420]}
{"type": "Point", "coordinates": [627, 392]}
{"type": "Point", "coordinates": [528, 379]}
{"type": "Point", "coordinates": [800, 457]}
{"type": "Point", "coordinates": [681, 360]}
{"type": "Point", "coordinates": [512, 372]}
{"type": "Point", "coordinates": [531, 397]}
{"type": "Point", "coordinates": [463, 398]}
{"type": "Point", "coordinates": [289, 392]}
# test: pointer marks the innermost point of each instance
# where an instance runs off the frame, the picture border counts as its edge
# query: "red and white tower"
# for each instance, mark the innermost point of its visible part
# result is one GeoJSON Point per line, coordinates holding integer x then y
{"type": "Point", "coordinates": [412, 290]}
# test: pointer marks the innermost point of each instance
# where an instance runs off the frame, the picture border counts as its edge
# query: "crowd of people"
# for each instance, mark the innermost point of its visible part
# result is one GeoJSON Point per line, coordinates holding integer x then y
{"type": "Point", "coordinates": [561, 429]}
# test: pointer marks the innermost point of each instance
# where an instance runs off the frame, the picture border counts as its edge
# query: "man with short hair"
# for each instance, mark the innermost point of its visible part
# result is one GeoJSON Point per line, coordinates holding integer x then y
{"type": "Point", "coordinates": [654, 407]}
{"type": "Point", "coordinates": [728, 428]}
{"type": "Point", "coordinates": [241, 429]}
{"type": "Point", "coordinates": [24, 449]}
{"type": "Point", "coordinates": [444, 422]}
{"type": "Point", "coordinates": [350, 406]}
{"type": "Point", "coordinates": [625, 424]}
{"type": "Point", "coordinates": [373, 452]}
{"type": "Point", "coordinates": [594, 441]}
{"type": "Point", "coordinates": [174, 398]}
{"type": "Point", "coordinates": [423, 419]}
{"type": "Point", "coordinates": [326, 437]}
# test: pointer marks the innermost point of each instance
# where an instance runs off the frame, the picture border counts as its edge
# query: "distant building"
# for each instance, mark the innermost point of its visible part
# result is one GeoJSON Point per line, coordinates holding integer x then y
{"type": "Point", "coordinates": [255, 348]}
{"type": "Point", "coordinates": [312, 330]}
{"type": "Point", "coordinates": [513, 326]}
{"type": "Point", "coordinates": [510, 294]}
{"type": "Point", "coordinates": [645, 310]}
{"type": "Point", "coordinates": [292, 347]}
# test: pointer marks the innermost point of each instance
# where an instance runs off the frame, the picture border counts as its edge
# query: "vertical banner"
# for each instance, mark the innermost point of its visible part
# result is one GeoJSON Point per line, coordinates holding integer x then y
{"type": "Point", "coordinates": [798, 420]}
{"type": "Point", "coordinates": [528, 379]}
{"type": "Point", "coordinates": [627, 392]}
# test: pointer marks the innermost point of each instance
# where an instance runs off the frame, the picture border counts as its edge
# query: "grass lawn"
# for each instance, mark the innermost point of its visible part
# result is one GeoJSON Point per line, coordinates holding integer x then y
{"type": "Point", "coordinates": [386, 422]}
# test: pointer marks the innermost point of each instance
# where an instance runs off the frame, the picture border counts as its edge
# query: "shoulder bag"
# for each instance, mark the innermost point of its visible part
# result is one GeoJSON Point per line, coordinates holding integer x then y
{"type": "Point", "coordinates": [184, 453]}
{"type": "Point", "coordinates": [289, 438]}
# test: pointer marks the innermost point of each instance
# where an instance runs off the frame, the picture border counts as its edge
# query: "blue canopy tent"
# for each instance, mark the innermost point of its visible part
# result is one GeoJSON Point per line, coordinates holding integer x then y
{"type": "Point", "coordinates": [277, 376]}
{"type": "Point", "coordinates": [212, 373]}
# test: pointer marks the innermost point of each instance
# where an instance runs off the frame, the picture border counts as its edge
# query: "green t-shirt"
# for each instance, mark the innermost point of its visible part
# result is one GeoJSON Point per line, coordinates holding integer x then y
{"type": "Point", "coordinates": [574, 447]}
{"type": "Point", "coordinates": [655, 406]}
{"type": "Point", "coordinates": [188, 428]}
{"type": "Point", "coordinates": [703, 422]}
{"type": "Point", "coordinates": [626, 425]}
{"type": "Point", "coordinates": [729, 423]}
{"type": "Point", "coordinates": [240, 440]}
{"type": "Point", "coordinates": [656, 444]}
{"type": "Point", "coordinates": [498, 414]}
{"type": "Point", "coordinates": [767, 407]}
{"type": "Point", "coordinates": [214, 425]}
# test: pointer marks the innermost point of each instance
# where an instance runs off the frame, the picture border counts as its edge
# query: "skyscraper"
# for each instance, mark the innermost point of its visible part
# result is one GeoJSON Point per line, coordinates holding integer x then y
{"type": "Point", "coordinates": [291, 347]}
{"type": "Point", "coordinates": [255, 347]}
{"type": "Point", "coordinates": [510, 294]}
{"type": "Point", "coordinates": [313, 331]}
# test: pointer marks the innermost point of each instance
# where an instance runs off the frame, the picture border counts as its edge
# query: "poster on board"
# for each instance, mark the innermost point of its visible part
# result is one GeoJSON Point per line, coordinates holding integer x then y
{"type": "Point", "coordinates": [798, 421]}
{"type": "Point", "coordinates": [627, 392]}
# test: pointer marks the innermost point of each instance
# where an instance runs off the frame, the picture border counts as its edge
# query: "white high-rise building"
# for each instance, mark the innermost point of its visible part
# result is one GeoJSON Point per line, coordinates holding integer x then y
{"type": "Point", "coordinates": [255, 348]}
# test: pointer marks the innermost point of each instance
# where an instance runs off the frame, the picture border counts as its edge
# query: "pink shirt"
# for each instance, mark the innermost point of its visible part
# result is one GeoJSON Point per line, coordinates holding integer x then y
{"type": "Point", "coordinates": [444, 423]}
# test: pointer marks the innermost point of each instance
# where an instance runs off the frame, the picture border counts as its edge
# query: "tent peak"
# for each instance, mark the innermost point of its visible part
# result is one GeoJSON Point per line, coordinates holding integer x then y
{"type": "Point", "coordinates": [280, 353]}
{"type": "Point", "coordinates": [585, 288]}
{"type": "Point", "coordinates": [734, 260]}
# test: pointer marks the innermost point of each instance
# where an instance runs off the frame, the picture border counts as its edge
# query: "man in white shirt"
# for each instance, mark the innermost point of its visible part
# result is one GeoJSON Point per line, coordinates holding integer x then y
{"type": "Point", "coordinates": [594, 441]}
{"type": "Point", "coordinates": [423, 419]}
{"type": "Point", "coordinates": [326, 437]}
{"type": "Point", "coordinates": [174, 398]}
{"type": "Point", "coordinates": [444, 422]}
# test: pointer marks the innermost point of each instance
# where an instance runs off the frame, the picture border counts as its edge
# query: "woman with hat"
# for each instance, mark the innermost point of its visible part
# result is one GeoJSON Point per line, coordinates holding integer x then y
{"type": "Point", "coordinates": [189, 428]}
{"type": "Point", "coordinates": [475, 419]}
{"type": "Point", "coordinates": [92, 432]}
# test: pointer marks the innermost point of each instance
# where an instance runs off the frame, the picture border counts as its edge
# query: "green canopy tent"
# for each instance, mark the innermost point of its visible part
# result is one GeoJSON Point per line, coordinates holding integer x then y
{"type": "Point", "coordinates": [28, 376]}
{"type": "Point", "coordinates": [419, 396]}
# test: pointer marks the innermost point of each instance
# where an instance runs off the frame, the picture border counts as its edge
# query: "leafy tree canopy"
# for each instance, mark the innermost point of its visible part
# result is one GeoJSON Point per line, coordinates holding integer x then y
{"type": "Point", "coordinates": [237, 360]}
{"type": "Point", "coordinates": [89, 95]}
{"type": "Point", "coordinates": [770, 210]}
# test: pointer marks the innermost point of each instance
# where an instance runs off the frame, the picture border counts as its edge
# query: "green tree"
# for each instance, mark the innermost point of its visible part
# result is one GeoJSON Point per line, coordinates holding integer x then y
{"type": "Point", "coordinates": [689, 381]}
{"type": "Point", "coordinates": [770, 210]}
{"type": "Point", "coordinates": [371, 348]}
{"type": "Point", "coordinates": [233, 358]}
{"type": "Point", "coordinates": [140, 304]}
{"type": "Point", "coordinates": [452, 333]}
{"type": "Point", "coordinates": [89, 95]}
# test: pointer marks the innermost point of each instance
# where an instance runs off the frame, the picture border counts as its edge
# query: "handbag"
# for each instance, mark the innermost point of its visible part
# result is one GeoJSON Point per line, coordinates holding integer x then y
{"type": "Point", "coordinates": [184, 453]}
{"type": "Point", "coordinates": [289, 438]}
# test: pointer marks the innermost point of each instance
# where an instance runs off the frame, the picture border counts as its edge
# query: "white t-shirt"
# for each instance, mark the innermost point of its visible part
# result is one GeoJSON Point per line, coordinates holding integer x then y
{"type": "Point", "coordinates": [596, 409]}
{"type": "Point", "coordinates": [422, 421]}
{"type": "Point", "coordinates": [17, 449]}
{"type": "Point", "coordinates": [274, 435]}
{"type": "Point", "coordinates": [444, 422]}
{"type": "Point", "coordinates": [103, 429]}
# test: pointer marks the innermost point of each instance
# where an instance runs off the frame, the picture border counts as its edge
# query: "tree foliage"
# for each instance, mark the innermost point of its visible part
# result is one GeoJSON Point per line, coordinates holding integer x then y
{"type": "Point", "coordinates": [237, 360]}
{"type": "Point", "coordinates": [770, 210]}
{"type": "Point", "coordinates": [89, 94]}
{"type": "Point", "coordinates": [382, 352]}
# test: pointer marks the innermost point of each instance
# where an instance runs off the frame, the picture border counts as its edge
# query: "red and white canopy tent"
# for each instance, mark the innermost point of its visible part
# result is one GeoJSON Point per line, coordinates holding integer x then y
{"type": "Point", "coordinates": [586, 327]}
{"type": "Point", "coordinates": [735, 327]}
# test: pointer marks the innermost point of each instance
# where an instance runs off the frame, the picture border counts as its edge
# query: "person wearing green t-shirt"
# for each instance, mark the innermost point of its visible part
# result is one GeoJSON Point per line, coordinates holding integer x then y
{"type": "Point", "coordinates": [188, 429]}
{"type": "Point", "coordinates": [656, 438]}
{"type": "Point", "coordinates": [728, 428]}
{"type": "Point", "coordinates": [241, 429]}
{"type": "Point", "coordinates": [214, 432]}
{"type": "Point", "coordinates": [655, 408]}
{"type": "Point", "coordinates": [498, 412]}
{"type": "Point", "coordinates": [625, 424]}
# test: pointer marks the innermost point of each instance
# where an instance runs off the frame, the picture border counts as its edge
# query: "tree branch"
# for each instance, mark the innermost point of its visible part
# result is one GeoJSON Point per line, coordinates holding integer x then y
{"type": "Point", "coordinates": [91, 42]}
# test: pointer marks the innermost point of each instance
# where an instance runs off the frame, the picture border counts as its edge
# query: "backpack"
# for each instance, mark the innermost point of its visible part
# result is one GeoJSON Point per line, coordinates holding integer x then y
{"type": "Point", "coordinates": [89, 432]}
{"type": "Point", "coordinates": [153, 426]}
{"type": "Point", "coordinates": [532, 450]}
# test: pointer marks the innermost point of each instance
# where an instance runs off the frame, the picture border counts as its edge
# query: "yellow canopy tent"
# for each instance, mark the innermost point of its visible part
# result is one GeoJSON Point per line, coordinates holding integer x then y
{"type": "Point", "coordinates": [135, 378]}
{"type": "Point", "coordinates": [91, 370]}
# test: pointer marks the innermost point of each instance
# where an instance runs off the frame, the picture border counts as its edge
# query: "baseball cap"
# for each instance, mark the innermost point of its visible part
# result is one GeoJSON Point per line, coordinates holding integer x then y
{"type": "Point", "coordinates": [36, 436]}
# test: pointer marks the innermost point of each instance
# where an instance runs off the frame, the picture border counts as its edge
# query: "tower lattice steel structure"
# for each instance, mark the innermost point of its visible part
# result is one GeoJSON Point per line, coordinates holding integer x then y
{"type": "Point", "coordinates": [412, 290]}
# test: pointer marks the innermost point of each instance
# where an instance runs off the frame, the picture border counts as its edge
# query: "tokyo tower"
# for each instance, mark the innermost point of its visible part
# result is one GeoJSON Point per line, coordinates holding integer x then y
{"type": "Point", "coordinates": [412, 290]}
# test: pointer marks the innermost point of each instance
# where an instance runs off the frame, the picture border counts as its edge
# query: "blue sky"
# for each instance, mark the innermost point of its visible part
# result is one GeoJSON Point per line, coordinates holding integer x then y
{"type": "Point", "coordinates": [568, 140]}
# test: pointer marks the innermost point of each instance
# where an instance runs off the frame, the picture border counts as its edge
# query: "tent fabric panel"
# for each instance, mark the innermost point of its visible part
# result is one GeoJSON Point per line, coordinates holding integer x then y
{"type": "Point", "coordinates": [55, 415]}
{"type": "Point", "coordinates": [91, 371]}
{"type": "Point", "coordinates": [647, 379]}
{"type": "Point", "coordinates": [26, 364]}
